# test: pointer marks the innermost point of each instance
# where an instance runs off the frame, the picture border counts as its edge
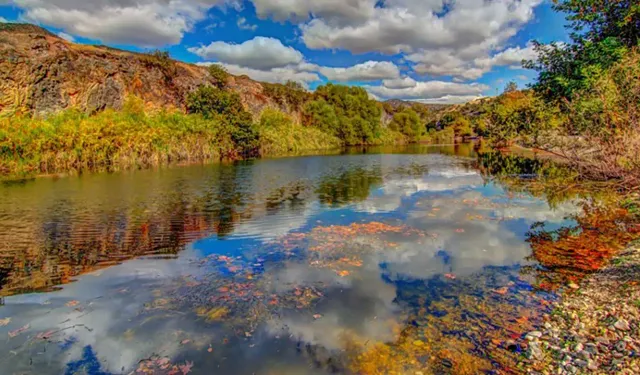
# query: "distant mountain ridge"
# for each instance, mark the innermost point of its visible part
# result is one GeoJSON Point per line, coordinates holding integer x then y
{"type": "Point", "coordinates": [397, 103]}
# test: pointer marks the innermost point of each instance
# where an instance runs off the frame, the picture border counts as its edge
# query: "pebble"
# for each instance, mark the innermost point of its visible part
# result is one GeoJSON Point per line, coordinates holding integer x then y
{"type": "Point", "coordinates": [591, 348]}
{"type": "Point", "coordinates": [621, 346]}
{"type": "Point", "coordinates": [622, 325]}
{"type": "Point", "coordinates": [533, 334]}
{"type": "Point", "coordinates": [585, 354]}
{"type": "Point", "coordinates": [580, 363]}
{"type": "Point", "coordinates": [534, 351]}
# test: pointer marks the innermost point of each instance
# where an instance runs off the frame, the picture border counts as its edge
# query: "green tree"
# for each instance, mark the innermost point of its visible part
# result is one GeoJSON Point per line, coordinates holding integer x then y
{"type": "Point", "coordinates": [344, 112]}
{"type": "Point", "coordinates": [510, 87]}
{"type": "Point", "coordinates": [596, 20]}
{"type": "Point", "coordinates": [219, 75]}
{"type": "Point", "coordinates": [212, 102]}
{"type": "Point", "coordinates": [602, 32]}
{"type": "Point", "coordinates": [408, 123]}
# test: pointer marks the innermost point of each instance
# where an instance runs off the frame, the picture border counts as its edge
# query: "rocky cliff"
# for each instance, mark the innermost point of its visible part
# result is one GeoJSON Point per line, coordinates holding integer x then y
{"type": "Point", "coordinates": [41, 73]}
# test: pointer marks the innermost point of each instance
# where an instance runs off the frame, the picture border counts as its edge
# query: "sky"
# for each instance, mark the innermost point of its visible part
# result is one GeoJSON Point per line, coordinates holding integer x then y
{"type": "Point", "coordinates": [432, 51]}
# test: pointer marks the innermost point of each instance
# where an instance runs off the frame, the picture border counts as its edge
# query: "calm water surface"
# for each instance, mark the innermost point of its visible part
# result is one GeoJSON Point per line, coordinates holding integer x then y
{"type": "Point", "coordinates": [406, 261]}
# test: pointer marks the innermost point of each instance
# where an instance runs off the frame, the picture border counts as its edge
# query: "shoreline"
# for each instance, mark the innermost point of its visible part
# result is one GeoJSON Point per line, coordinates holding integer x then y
{"type": "Point", "coordinates": [595, 326]}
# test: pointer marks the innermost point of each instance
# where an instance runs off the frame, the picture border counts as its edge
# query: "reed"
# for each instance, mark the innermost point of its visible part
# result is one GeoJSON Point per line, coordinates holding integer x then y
{"type": "Point", "coordinates": [72, 140]}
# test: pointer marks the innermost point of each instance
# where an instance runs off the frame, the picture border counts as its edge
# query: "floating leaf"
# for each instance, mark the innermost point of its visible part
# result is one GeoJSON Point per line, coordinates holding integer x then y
{"type": "Point", "coordinates": [72, 303]}
{"type": "Point", "coordinates": [317, 316]}
{"type": "Point", "coordinates": [186, 368]}
{"type": "Point", "coordinates": [213, 314]}
{"type": "Point", "coordinates": [18, 331]}
{"type": "Point", "coordinates": [45, 335]}
{"type": "Point", "coordinates": [502, 291]}
{"type": "Point", "coordinates": [4, 322]}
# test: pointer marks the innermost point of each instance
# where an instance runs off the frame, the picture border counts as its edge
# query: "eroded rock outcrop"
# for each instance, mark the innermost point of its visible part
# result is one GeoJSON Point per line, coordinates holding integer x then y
{"type": "Point", "coordinates": [41, 73]}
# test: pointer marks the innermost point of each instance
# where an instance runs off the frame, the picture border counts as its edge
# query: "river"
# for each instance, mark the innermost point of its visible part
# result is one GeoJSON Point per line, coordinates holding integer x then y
{"type": "Point", "coordinates": [401, 260]}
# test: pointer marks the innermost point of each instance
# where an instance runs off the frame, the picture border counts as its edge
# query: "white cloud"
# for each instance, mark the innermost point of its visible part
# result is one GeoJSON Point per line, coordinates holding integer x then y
{"type": "Point", "coordinates": [367, 71]}
{"type": "Point", "coordinates": [345, 11]}
{"type": "Point", "coordinates": [66, 36]}
{"type": "Point", "coordinates": [458, 40]}
{"type": "Point", "coordinates": [3, 20]}
{"type": "Point", "coordinates": [429, 90]}
{"type": "Point", "coordinates": [258, 53]}
{"type": "Point", "coordinates": [408, 26]}
{"type": "Point", "coordinates": [399, 83]}
{"type": "Point", "coordinates": [510, 56]}
{"type": "Point", "coordinates": [145, 23]}
{"type": "Point", "coordinates": [458, 64]}
{"type": "Point", "coordinates": [275, 75]}
{"type": "Point", "coordinates": [244, 25]}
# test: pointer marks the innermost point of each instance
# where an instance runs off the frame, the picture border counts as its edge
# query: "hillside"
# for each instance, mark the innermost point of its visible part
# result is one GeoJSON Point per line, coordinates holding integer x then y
{"type": "Point", "coordinates": [41, 73]}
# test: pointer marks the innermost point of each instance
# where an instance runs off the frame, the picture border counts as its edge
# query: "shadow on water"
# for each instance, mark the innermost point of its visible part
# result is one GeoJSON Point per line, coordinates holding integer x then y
{"type": "Point", "coordinates": [380, 260]}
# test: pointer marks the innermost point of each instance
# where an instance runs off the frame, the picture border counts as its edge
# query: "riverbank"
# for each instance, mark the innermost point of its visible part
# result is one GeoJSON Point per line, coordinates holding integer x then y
{"type": "Point", "coordinates": [595, 327]}
{"type": "Point", "coordinates": [72, 141]}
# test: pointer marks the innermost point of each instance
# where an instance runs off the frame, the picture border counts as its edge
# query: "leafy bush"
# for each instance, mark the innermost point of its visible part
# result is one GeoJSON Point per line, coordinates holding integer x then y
{"type": "Point", "coordinates": [607, 116]}
{"type": "Point", "coordinates": [408, 123]}
{"type": "Point", "coordinates": [280, 134]}
{"type": "Point", "coordinates": [291, 94]}
{"type": "Point", "coordinates": [462, 127]}
{"type": "Point", "coordinates": [72, 140]}
{"type": "Point", "coordinates": [344, 112]}
{"type": "Point", "coordinates": [219, 75]}
{"type": "Point", "coordinates": [519, 114]}
{"type": "Point", "coordinates": [214, 103]}
{"type": "Point", "coordinates": [446, 135]}
{"type": "Point", "coordinates": [161, 60]}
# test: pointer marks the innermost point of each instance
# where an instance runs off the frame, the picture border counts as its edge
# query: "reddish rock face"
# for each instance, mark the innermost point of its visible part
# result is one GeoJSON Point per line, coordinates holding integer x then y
{"type": "Point", "coordinates": [41, 73]}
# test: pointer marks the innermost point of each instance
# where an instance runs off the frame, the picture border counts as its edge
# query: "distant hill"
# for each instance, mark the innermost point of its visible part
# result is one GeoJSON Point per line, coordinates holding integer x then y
{"type": "Point", "coordinates": [42, 73]}
{"type": "Point", "coordinates": [397, 103]}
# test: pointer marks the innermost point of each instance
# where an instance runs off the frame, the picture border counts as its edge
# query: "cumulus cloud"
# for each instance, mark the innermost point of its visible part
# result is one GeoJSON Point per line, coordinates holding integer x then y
{"type": "Point", "coordinates": [429, 90]}
{"type": "Point", "coordinates": [275, 75]}
{"type": "Point", "coordinates": [258, 53]}
{"type": "Point", "coordinates": [335, 11]}
{"type": "Point", "coordinates": [367, 71]}
{"type": "Point", "coordinates": [463, 39]}
{"type": "Point", "coordinates": [510, 56]}
{"type": "Point", "coordinates": [409, 25]}
{"type": "Point", "coordinates": [145, 23]}
{"type": "Point", "coordinates": [399, 83]}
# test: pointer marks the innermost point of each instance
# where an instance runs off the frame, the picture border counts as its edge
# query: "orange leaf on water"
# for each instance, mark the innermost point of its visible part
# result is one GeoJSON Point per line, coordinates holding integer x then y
{"type": "Point", "coordinates": [501, 291]}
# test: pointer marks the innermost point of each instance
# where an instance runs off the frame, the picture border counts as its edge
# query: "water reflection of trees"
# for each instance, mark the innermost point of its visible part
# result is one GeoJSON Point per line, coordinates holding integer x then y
{"type": "Point", "coordinates": [66, 238]}
{"type": "Point", "coordinates": [596, 233]}
{"type": "Point", "coordinates": [352, 185]}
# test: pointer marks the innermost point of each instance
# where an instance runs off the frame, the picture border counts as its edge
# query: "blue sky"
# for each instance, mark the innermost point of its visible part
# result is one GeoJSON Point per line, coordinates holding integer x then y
{"type": "Point", "coordinates": [426, 50]}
